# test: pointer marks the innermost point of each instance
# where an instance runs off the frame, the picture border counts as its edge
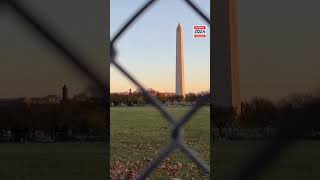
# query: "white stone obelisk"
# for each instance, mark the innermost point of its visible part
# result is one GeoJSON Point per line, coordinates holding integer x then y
{"type": "Point", "coordinates": [225, 52]}
{"type": "Point", "coordinates": [180, 89]}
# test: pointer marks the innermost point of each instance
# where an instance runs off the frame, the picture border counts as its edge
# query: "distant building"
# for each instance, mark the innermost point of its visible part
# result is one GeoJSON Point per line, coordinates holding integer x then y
{"type": "Point", "coordinates": [65, 97]}
{"type": "Point", "coordinates": [36, 101]}
{"type": "Point", "coordinates": [152, 92]}
{"type": "Point", "coordinates": [124, 92]}
{"type": "Point", "coordinates": [65, 93]}
{"type": "Point", "coordinates": [80, 98]}
{"type": "Point", "coordinates": [52, 99]}
{"type": "Point", "coordinates": [169, 94]}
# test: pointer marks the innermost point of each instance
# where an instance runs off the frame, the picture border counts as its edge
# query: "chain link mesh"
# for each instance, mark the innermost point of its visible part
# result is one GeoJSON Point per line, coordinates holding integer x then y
{"type": "Point", "coordinates": [177, 141]}
{"type": "Point", "coordinates": [72, 56]}
{"type": "Point", "coordinates": [283, 138]}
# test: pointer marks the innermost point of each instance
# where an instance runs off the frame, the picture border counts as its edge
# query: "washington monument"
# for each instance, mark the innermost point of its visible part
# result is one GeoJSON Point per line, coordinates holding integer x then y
{"type": "Point", "coordinates": [225, 56]}
{"type": "Point", "coordinates": [180, 89]}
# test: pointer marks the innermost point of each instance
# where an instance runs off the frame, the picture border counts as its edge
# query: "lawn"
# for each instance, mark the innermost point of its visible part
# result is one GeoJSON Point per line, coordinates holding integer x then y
{"type": "Point", "coordinates": [138, 134]}
{"type": "Point", "coordinates": [299, 161]}
{"type": "Point", "coordinates": [53, 161]}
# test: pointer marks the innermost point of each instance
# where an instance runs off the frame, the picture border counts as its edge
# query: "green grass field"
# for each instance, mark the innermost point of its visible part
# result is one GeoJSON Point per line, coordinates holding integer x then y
{"type": "Point", "coordinates": [53, 161]}
{"type": "Point", "coordinates": [299, 161]}
{"type": "Point", "coordinates": [140, 133]}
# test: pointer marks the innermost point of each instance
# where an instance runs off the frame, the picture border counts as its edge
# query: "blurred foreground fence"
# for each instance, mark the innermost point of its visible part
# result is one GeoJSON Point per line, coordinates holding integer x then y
{"type": "Point", "coordinates": [43, 30]}
{"type": "Point", "coordinates": [292, 126]}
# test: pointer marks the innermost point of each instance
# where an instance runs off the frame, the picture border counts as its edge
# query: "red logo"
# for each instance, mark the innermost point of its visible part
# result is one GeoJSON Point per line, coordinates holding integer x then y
{"type": "Point", "coordinates": [199, 31]}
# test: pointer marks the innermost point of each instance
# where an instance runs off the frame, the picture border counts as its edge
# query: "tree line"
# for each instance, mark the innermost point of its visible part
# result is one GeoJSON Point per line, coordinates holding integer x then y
{"type": "Point", "coordinates": [265, 113]}
{"type": "Point", "coordinates": [137, 98]}
{"type": "Point", "coordinates": [44, 116]}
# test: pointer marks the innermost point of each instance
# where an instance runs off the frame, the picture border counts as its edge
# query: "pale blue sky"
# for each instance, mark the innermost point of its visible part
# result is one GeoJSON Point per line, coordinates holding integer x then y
{"type": "Point", "coordinates": [148, 48]}
{"type": "Point", "coordinates": [278, 40]}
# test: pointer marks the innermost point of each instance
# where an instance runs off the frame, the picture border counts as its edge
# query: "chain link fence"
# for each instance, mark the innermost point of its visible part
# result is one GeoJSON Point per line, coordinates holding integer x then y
{"type": "Point", "coordinates": [292, 124]}
{"type": "Point", "coordinates": [177, 138]}
{"type": "Point", "coordinates": [285, 136]}
{"type": "Point", "coordinates": [42, 29]}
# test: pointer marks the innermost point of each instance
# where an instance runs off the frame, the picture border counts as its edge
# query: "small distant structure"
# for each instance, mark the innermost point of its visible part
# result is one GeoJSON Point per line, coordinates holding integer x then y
{"type": "Point", "coordinates": [169, 94]}
{"type": "Point", "coordinates": [82, 97]}
{"type": "Point", "coordinates": [152, 91]}
{"type": "Point", "coordinates": [52, 99]}
{"type": "Point", "coordinates": [64, 94]}
{"type": "Point", "coordinates": [149, 90]}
